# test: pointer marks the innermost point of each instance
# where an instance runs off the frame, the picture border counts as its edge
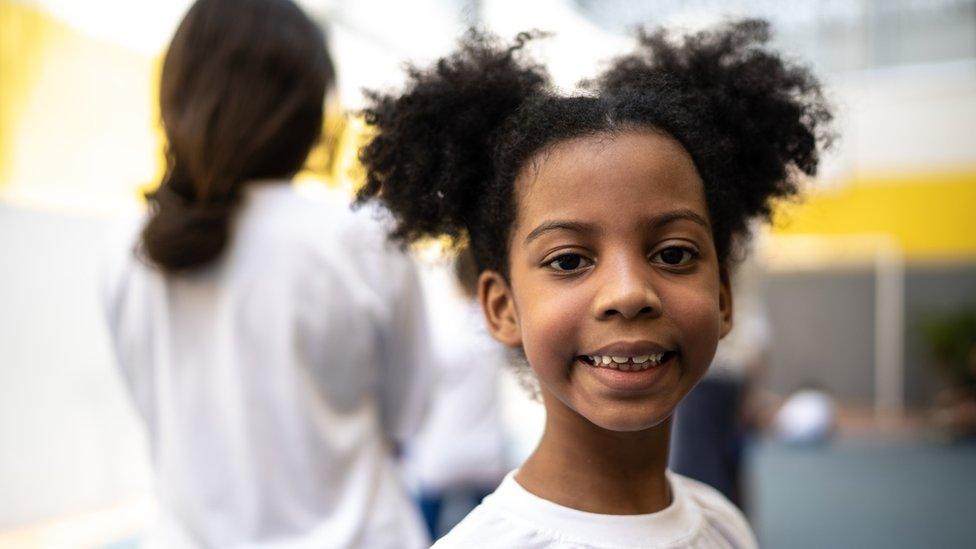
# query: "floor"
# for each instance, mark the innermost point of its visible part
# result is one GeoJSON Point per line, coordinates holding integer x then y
{"type": "Point", "coordinates": [864, 493]}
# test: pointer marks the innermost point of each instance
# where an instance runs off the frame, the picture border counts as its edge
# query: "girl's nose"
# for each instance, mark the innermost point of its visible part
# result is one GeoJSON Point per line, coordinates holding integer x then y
{"type": "Point", "coordinates": [627, 292]}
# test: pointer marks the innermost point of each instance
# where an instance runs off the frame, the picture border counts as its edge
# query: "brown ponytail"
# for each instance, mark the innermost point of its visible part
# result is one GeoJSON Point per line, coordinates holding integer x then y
{"type": "Point", "coordinates": [242, 96]}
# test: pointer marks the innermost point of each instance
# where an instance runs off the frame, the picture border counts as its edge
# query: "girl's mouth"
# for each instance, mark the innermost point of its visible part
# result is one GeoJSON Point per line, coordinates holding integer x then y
{"type": "Point", "coordinates": [627, 363]}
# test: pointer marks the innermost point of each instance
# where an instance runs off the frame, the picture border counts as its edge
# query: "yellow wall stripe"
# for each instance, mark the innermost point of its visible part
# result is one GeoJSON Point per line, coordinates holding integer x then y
{"type": "Point", "coordinates": [932, 216]}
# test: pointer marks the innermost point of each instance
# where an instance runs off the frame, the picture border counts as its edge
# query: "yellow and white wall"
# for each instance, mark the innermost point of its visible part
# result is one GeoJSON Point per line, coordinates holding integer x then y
{"type": "Point", "coordinates": [905, 164]}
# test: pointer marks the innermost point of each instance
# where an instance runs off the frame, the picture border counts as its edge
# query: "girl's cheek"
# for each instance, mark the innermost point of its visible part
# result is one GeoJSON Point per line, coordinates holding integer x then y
{"type": "Point", "coordinates": [696, 314]}
{"type": "Point", "coordinates": [550, 323]}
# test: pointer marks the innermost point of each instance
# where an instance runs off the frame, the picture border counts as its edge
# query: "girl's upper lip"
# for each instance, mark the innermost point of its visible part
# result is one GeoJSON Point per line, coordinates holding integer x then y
{"type": "Point", "coordinates": [631, 348]}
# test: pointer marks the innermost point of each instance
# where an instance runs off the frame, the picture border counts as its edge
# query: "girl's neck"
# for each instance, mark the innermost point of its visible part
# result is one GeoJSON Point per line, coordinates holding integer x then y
{"type": "Point", "coordinates": [585, 467]}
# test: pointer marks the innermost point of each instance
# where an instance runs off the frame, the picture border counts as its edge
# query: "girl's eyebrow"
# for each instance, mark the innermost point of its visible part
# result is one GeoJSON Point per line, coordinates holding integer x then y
{"type": "Point", "coordinates": [662, 219]}
{"type": "Point", "coordinates": [557, 225]}
{"type": "Point", "coordinates": [654, 222]}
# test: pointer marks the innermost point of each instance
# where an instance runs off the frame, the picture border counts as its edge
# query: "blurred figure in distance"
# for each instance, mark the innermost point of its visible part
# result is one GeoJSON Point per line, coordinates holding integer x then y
{"type": "Point", "coordinates": [457, 457]}
{"type": "Point", "coordinates": [273, 343]}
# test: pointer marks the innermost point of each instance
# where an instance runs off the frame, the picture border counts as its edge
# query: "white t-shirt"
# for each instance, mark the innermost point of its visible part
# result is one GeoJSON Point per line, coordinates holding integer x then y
{"type": "Point", "coordinates": [698, 517]}
{"type": "Point", "coordinates": [273, 381]}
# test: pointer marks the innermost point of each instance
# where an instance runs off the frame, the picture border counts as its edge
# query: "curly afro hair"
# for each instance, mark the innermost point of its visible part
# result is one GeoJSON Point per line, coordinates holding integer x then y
{"type": "Point", "coordinates": [447, 150]}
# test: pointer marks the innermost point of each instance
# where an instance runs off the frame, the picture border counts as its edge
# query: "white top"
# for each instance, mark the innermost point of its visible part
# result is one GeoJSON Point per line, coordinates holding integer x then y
{"type": "Point", "coordinates": [460, 444]}
{"type": "Point", "coordinates": [273, 381]}
{"type": "Point", "coordinates": [698, 517]}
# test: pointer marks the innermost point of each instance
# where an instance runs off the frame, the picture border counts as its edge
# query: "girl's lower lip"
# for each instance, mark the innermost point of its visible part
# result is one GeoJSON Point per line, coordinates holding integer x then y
{"type": "Point", "coordinates": [632, 381]}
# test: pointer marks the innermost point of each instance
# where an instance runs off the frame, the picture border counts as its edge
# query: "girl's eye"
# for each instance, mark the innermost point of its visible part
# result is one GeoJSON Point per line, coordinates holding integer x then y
{"type": "Point", "coordinates": [567, 262]}
{"type": "Point", "coordinates": [675, 256]}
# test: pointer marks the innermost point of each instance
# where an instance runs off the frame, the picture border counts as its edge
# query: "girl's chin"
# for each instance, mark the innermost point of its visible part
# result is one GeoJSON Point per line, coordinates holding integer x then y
{"type": "Point", "coordinates": [627, 423]}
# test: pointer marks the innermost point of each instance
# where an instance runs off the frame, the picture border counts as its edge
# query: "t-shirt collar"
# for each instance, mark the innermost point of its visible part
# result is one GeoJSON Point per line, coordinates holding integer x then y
{"type": "Point", "coordinates": [680, 520]}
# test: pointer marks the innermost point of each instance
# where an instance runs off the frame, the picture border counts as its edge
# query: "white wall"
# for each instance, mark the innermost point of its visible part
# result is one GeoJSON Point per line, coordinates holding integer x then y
{"type": "Point", "coordinates": [910, 119]}
{"type": "Point", "coordinates": [69, 437]}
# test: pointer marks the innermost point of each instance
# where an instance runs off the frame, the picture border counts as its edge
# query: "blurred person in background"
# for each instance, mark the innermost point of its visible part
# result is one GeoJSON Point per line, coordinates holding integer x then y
{"type": "Point", "coordinates": [711, 423]}
{"type": "Point", "coordinates": [458, 457]}
{"type": "Point", "coordinates": [808, 417]}
{"type": "Point", "coordinates": [273, 344]}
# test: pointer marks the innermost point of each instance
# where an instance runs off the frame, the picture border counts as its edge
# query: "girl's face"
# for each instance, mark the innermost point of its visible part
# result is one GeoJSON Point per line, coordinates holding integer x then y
{"type": "Point", "coordinates": [616, 294]}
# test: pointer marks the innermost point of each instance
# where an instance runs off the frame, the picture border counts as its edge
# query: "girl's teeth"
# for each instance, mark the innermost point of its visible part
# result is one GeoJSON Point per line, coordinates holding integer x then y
{"type": "Point", "coordinates": [627, 363]}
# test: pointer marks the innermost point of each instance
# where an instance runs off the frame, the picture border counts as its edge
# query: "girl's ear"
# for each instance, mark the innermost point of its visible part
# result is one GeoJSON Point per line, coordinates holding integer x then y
{"type": "Point", "coordinates": [725, 303]}
{"type": "Point", "coordinates": [498, 306]}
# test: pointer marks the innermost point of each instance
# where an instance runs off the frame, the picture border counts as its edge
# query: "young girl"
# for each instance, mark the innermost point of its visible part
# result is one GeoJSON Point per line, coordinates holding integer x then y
{"type": "Point", "coordinates": [272, 344]}
{"type": "Point", "coordinates": [602, 224]}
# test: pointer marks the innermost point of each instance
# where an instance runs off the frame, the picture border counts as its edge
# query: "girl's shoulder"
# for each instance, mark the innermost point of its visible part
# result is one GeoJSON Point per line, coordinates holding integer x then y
{"type": "Point", "coordinates": [499, 522]}
{"type": "Point", "coordinates": [490, 527]}
{"type": "Point", "coordinates": [706, 497]}
{"type": "Point", "coordinates": [716, 510]}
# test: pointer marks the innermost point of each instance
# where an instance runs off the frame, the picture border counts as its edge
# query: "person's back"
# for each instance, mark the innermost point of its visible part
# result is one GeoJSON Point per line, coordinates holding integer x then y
{"type": "Point", "coordinates": [274, 343]}
{"type": "Point", "coordinates": [261, 379]}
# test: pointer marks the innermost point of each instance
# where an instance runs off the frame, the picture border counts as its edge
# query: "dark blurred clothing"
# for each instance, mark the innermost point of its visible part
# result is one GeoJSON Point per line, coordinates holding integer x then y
{"type": "Point", "coordinates": [707, 436]}
{"type": "Point", "coordinates": [432, 506]}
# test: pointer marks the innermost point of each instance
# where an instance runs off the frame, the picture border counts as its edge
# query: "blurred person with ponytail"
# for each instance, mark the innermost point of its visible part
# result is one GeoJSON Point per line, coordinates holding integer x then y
{"type": "Point", "coordinates": [273, 343]}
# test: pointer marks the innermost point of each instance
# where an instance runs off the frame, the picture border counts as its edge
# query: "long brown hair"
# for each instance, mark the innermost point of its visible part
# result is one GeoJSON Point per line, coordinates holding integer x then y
{"type": "Point", "coordinates": [242, 97]}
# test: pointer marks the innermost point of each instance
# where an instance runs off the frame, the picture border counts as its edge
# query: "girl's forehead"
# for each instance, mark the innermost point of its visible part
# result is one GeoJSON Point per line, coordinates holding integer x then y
{"type": "Point", "coordinates": [610, 174]}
